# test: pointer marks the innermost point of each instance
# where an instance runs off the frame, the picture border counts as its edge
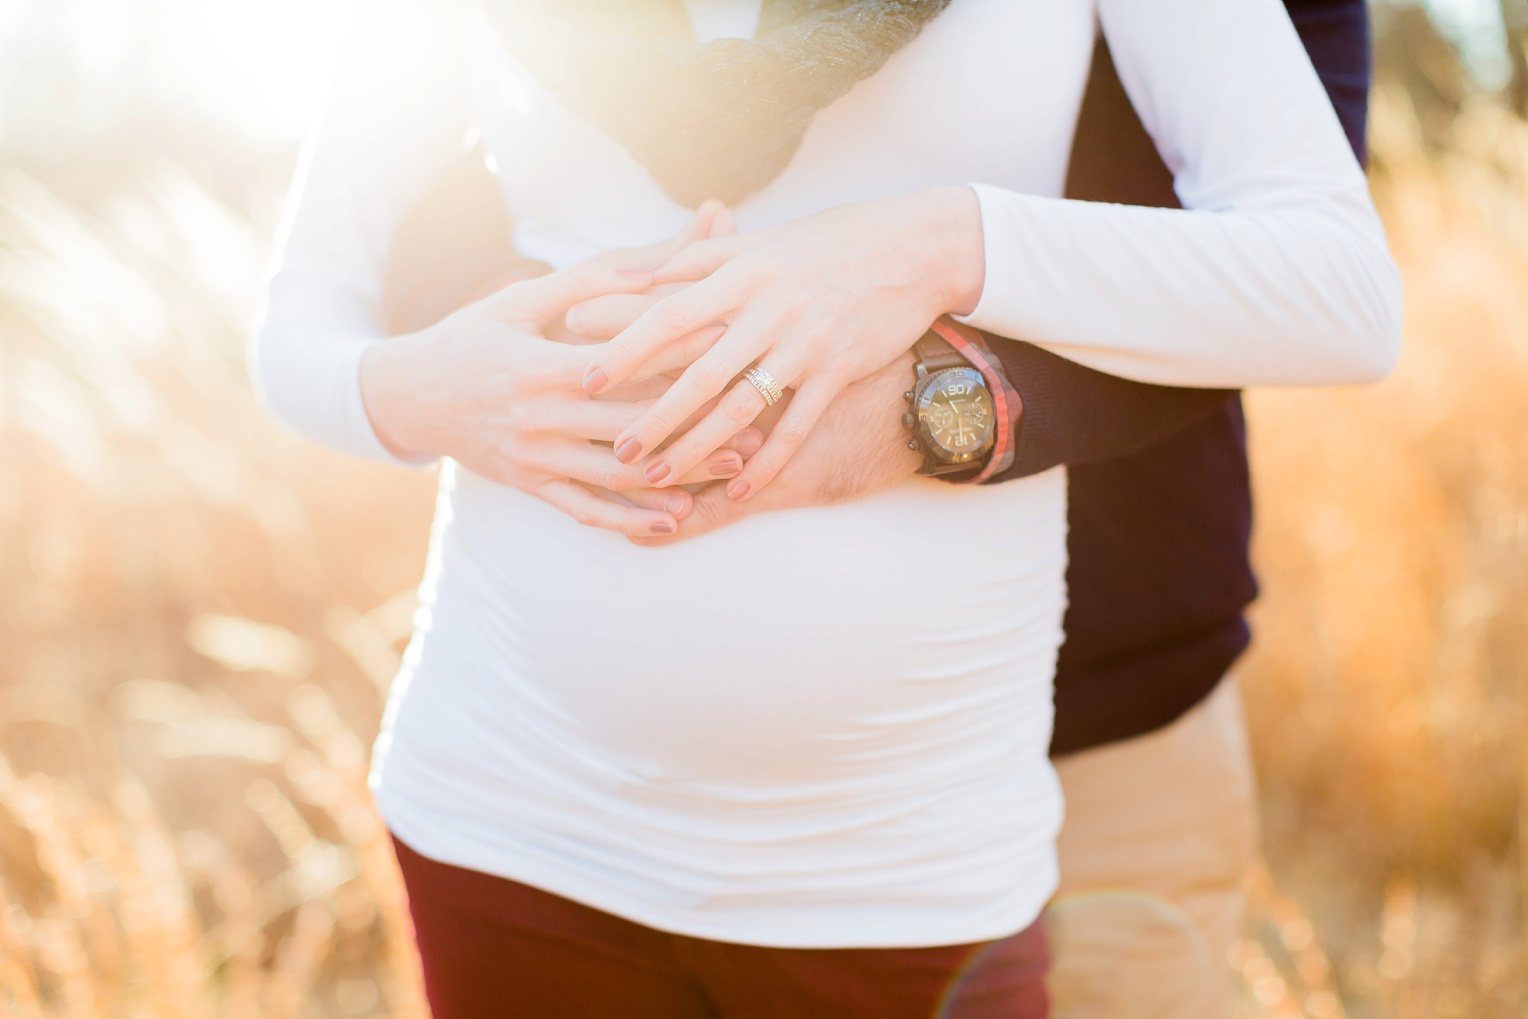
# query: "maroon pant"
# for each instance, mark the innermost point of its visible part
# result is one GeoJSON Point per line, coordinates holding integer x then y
{"type": "Point", "coordinates": [497, 949]}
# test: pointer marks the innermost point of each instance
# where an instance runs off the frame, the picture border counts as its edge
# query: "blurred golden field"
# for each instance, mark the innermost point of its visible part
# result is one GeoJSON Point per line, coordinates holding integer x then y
{"type": "Point", "coordinates": [201, 613]}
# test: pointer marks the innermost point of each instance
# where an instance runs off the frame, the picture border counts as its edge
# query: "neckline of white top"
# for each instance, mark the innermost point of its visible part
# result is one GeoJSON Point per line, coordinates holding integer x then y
{"type": "Point", "coordinates": [724, 19]}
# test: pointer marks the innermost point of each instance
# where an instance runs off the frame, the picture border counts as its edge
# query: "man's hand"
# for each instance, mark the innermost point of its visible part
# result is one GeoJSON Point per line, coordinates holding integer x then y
{"type": "Point", "coordinates": [858, 448]}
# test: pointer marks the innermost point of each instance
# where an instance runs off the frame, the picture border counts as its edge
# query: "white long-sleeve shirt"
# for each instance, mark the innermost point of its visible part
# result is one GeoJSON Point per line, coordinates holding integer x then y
{"type": "Point", "coordinates": [821, 727]}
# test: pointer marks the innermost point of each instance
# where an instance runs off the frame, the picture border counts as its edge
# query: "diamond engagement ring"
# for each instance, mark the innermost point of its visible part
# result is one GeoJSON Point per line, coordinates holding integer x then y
{"type": "Point", "coordinates": [766, 385]}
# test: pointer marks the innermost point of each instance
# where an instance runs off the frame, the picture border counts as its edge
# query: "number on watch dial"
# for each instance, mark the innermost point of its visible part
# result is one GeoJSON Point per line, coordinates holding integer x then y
{"type": "Point", "coordinates": [958, 413]}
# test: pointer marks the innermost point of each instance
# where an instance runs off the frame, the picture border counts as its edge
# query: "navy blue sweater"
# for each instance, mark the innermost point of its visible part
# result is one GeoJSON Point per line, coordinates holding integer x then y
{"type": "Point", "coordinates": [1160, 507]}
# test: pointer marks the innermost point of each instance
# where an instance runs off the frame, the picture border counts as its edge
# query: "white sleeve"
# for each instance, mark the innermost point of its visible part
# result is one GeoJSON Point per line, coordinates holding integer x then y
{"type": "Point", "coordinates": [398, 112]}
{"type": "Point", "coordinates": [1276, 270]}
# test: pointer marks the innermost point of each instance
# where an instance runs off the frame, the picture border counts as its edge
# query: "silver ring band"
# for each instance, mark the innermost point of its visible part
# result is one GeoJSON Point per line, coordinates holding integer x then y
{"type": "Point", "coordinates": [766, 385]}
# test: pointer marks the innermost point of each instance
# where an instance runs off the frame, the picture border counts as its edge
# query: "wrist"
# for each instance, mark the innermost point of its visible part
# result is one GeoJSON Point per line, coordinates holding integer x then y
{"type": "Point", "coordinates": [1008, 407]}
{"type": "Point", "coordinates": [951, 247]}
{"type": "Point", "coordinates": [390, 381]}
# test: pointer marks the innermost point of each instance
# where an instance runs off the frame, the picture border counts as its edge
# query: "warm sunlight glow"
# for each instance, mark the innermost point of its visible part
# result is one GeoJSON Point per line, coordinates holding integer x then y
{"type": "Point", "coordinates": [262, 62]}
{"type": "Point", "coordinates": [249, 67]}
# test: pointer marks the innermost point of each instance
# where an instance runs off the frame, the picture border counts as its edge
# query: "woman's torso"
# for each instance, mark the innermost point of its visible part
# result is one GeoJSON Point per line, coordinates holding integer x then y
{"type": "Point", "coordinates": [818, 727]}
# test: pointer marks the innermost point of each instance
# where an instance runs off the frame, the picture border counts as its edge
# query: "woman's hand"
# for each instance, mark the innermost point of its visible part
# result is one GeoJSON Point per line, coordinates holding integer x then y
{"type": "Point", "coordinates": [819, 304]}
{"type": "Point", "coordinates": [485, 387]}
{"type": "Point", "coordinates": [858, 448]}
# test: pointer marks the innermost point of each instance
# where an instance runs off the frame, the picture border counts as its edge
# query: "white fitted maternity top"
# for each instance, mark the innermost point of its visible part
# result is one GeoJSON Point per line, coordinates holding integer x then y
{"type": "Point", "coordinates": [819, 727]}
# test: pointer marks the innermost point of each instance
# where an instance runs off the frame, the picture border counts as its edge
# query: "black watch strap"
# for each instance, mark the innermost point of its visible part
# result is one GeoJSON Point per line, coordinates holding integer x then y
{"type": "Point", "coordinates": [934, 353]}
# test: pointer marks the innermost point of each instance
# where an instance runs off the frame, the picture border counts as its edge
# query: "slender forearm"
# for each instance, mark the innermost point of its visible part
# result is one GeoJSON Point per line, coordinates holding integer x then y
{"type": "Point", "coordinates": [394, 386]}
{"type": "Point", "coordinates": [1077, 415]}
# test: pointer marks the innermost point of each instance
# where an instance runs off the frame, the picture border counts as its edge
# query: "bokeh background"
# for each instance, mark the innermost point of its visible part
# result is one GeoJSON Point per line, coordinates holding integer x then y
{"type": "Point", "coordinates": [200, 614]}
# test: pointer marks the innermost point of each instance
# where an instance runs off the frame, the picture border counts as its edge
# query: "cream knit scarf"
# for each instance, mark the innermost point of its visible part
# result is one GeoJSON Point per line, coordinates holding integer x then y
{"type": "Point", "coordinates": [713, 120]}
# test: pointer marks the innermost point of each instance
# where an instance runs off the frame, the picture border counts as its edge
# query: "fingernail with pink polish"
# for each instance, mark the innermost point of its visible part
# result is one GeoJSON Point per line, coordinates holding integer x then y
{"type": "Point", "coordinates": [726, 468]}
{"type": "Point", "coordinates": [657, 472]}
{"type": "Point", "coordinates": [595, 380]}
{"type": "Point", "coordinates": [674, 504]}
{"type": "Point", "coordinates": [738, 491]}
{"type": "Point", "coordinates": [748, 442]}
{"type": "Point", "coordinates": [628, 451]}
{"type": "Point", "coordinates": [663, 527]}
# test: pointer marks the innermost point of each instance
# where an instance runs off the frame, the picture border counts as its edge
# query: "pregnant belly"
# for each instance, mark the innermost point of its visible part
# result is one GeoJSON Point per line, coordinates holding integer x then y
{"type": "Point", "coordinates": [794, 647]}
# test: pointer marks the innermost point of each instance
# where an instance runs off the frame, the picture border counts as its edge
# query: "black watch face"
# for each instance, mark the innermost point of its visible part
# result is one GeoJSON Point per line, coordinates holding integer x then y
{"type": "Point", "coordinates": [956, 411]}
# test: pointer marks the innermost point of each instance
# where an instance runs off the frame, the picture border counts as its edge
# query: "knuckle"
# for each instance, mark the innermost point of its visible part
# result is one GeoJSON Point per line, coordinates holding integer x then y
{"type": "Point", "coordinates": [764, 466]}
{"type": "Point", "coordinates": [612, 478]}
{"type": "Point", "coordinates": [586, 275]}
{"type": "Point", "coordinates": [739, 411]}
{"type": "Point", "coordinates": [792, 433]}
{"type": "Point", "coordinates": [529, 372]}
{"type": "Point", "coordinates": [710, 375]}
{"type": "Point", "coordinates": [514, 419]}
{"type": "Point", "coordinates": [506, 452]}
{"type": "Point", "coordinates": [840, 370]}
{"type": "Point", "coordinates": [686, 459]}
{"type": "Point", "coordinates": [710, 511]}
{"type": "Point", "coordinates": [658, 423]}
{"type": "Point", "coordinates": [670, 315]}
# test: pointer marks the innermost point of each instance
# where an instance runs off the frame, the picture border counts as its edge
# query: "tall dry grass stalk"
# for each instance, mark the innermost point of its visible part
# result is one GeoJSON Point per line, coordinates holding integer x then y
{"type": "Point", "coordinates": [201, 613]}
{"type": "Point", "coordinates": [1387, 684]}
{"type": "Point", "coordinates": [197, 610]}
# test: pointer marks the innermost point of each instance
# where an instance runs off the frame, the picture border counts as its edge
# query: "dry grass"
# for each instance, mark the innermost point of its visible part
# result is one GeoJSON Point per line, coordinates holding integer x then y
{"type": "Point", "coordinates": [200, 613]}
{"type": "Point", "coordinates": [184, 824]}
{"type": "Point", "coordinates": [1387, 684]}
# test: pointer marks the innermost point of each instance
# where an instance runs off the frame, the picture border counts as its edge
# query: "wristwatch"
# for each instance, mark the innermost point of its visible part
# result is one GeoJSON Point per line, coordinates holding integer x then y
{"type": "Point", "coordinates": [952, 417]}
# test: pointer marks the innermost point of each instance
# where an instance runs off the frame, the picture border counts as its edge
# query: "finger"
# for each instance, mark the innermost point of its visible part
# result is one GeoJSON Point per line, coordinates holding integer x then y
{"type": "Point", "coordinates": [636, 392]}
{"type": "Point", "coordinates": [676, 502]}
{"type": "Point", "coordinates": [747, 442]}
{"type": "Point", "coordinates": [702, 258]}
{"type": "Point", "coordinates": [582, 418]}
{"type": "Point", "coordinates": [582, 461]}
{"type": "Point", "coordinates": [594, 465]}
{"type": "Point", "coordinates": [623, 271]}
{"type": "Point", "coordinates": [584, 422]}
{"type": "Point", "coordinates": [723, 224]}
{"type": "Point", "coordinates": [722, 465]}
{"type": "Point", "coordinates": [651, 256]}
{"type": "Point", "coordinates": [603, 318]}
{"type": "Point", "coordinates": [676, 358]}
{"type": "Point", "coordinates": [662, 325]}
{"type": "Point", "coordinates": [734, 413]}
{"type": "Point", "coordinates": [807, 406]}
{"type": "Point", "coordinates": [530, 270]}
{"type": "Point", "coordinates": [595, 511]}
{"type": "Point", "coordinates": [712, 510]}
{"type": "Point", "coordinates": [546, 298]}
{"type": "Point", "coordinates": [705, 379]}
